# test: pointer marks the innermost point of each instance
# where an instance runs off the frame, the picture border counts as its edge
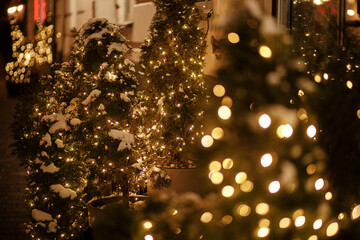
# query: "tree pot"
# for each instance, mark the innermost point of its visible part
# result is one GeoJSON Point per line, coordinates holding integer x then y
{"type": "Point", "coordinates": [96, 207]}
{"type": "Point", "coordinates": [182, 180]}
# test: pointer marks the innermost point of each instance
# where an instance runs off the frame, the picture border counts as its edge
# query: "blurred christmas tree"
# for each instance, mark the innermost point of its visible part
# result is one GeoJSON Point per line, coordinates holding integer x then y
{"type": "Point", "coordinates": [26, 54]}
{"type": "Point", "coordinates": [335, 69]}
{"type": "Point", "coordinates": [266, 157]}
{"type": "Point", "coordinates": [172, 58]}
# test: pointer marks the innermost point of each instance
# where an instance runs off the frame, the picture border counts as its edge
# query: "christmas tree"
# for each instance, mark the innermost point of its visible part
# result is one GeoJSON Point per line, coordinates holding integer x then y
{"type": "Point", "coordinates": [72, 133]}
{"type": "Point", "coordinates": [335, 68]}
{"type": "Point", "coordinates": [265, 155]}
{"type": "Point", "coordinates": [172, 58]}
{"type": "Point", "coordinates": [44, 142]}
{"type": "Point", "coordinates": [106, 101]}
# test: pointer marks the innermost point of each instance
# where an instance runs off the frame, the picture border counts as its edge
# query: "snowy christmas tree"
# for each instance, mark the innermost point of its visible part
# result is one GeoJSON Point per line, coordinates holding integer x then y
{"type": "Point", "coordinates": [172, 58]}
{"type": "Point", "coordinates": [105, 106]}
{"type": "Point", "coordinates": [73, 134]}
{"type": "Point", "coordinates": [44, 142]}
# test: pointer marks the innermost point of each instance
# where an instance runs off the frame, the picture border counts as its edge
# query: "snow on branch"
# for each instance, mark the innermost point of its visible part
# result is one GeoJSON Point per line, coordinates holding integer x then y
{"type": "Point", "coordinates": [63, 192]}
{"type": "Point", "coordinates": [126, 139]}
{"type": "Point", "coordinates": [92, 96]}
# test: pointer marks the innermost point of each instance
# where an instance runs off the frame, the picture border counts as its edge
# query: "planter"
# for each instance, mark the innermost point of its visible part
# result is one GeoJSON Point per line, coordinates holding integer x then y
{"type": "Point", "coordinates": [182, 180]}
{"type": "Point", "coordinates": [96, 207]}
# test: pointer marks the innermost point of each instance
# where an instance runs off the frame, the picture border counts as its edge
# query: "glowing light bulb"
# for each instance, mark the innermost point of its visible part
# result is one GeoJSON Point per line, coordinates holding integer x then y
{"type": "Point", "coordinates": [264, 222]}
{"type": "Point", "coordinates": [263, 232]}
{"type": "Point", "coordinates": [300, 221]}
{"type": "Point", "coordinates": [317, 224]}
{"type": "Point", "coordinates": [228, 191]}
{"type": "Point", "coordinates": [11, 10]}
{"type": "Point", "coordinates": [243, 210]}
{"type": "Point", "coordinates": [215, 166]}
{"type": "Point", "coordinates": [349, 84]}
{"type": "Point", "coordinates": [264, 121]}
{"type": "Point", "coordinates": [317, 78]}
{"type": "Point", "coordinates": [148, 237]}
{"type": "Point", "coordinates": [240, 177]}
{"type": "Point", "coordinates": [247, 186]}
{"type": "Point", "coordinates": [313, 237]}
{"type": "Point", "coordinates": [227, 219]}
{"type": "Point", "coordinates": [287, 130]}
{"type": "Point", "coordinates": [326, 76]}
{"type": "Point", "coordinates": [311, 131]}
{"type": "Point", "coordinates": [265, 51]}
{"type": "Point", "coordinates": [233, 37]}
{"type": "Point", "coordinates": [350, 12]}
{"type": "Point", "coordinates": [147, 225]}
{"type": "Point", "coordinates": [328, 196]}
{"type": "Point", "coordinates": [319, 184]}
{"type": "Point", "coordinates": [217, 133]}
{"type": "Point", "coordinates": [332, 229]}
{"type": "Point", "coordinates": [227, 163]}
{"type": "Point", "coordinates": [266, 160]}
{"type": "Point", "coordinates": [224, 112]}
{"type": "Point", "coordinates": [206, 217]}
{"type": "Point", "coordinates": [355, 213]}
{"type": "Point", "coordinates": [262, 208]}
{"type": "Point", "coordinates": [285, 222]}
{"type": "Point", "coordinates": [207, 141]}
{"type": "Point", "coordinates": [274, 186]}
{"type": "Point", "coordinates": [219, 90]}
{"type": "Point", "coordinates": [216, 178]}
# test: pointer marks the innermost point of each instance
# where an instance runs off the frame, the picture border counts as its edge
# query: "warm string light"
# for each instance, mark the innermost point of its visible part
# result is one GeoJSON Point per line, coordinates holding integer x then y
{"type": "Point", "coordinates": [27, 54]}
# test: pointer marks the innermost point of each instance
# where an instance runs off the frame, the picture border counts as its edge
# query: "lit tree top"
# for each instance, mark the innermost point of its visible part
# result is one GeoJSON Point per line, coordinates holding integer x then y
{"type": "Point", "coordinates": [172, 58]}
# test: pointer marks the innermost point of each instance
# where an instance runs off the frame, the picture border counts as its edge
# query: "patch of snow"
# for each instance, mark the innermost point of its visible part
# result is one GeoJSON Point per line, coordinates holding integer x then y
{"type": "Point", "coordinates": [110, 77]}
{"type": "Point", "coordinates": [59, 143]}
{"type": "Point", "coordinates": [40, 216]}
{"type": "Point", "coordinates": [128, 62]}
{"type": "Point", "coordinates": [75, 121]}
{"type": "Point", "coordinates": [51, 168]}
{"type": "Point", "coordinates": [63, 192]}
{"type": "Point", "coordinates": [44, 154]}
{"type": "Point", "coordinates": [101, 107]}
{"type": "Point", "coordinates": [126, 139]}
{"type": "Point", "coordinates": [88, 25]}
{"type": "Point", "coordinates": [37, 160]}
{"type": "Point", "coordinates": [41, 224]}
{"type": "Point", "coordinates": [52, 227]}
{"type": "Point", "coordinates": [137, 166]}
{"type": "Point", "coordinates": [92, 96]}
{"type": "Point", "coordinates": [120, 47]}
{"type": "Point", "coordinates": [124, 97]}
{"type": "Point", "coordinates": [96, 35]}
{"type": "Point", "coordinates": [60, 122]}
{"type": "Point", "coordinates": [46, 139]}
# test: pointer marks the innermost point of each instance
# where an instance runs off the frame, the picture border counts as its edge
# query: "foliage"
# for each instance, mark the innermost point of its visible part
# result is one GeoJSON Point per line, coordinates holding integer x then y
{"type": "Point", "coordinates": [62, 132]}
{"type": "Point", "coordinates": [172, 58]}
